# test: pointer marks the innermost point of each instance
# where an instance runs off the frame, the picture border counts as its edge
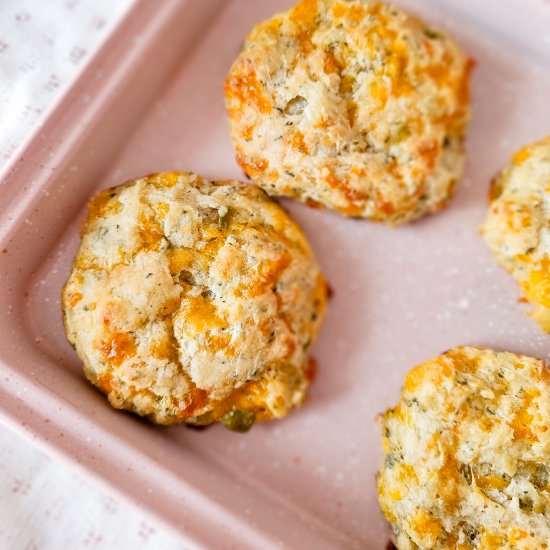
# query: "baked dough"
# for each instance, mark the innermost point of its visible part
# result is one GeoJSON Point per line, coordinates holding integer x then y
{"type": "Point", "coordinates": [467, 454]}
{"type": "Point", "coordinates": [351, 105]}
{"type": "Point", "coordinates": [517, 227]}
{"type": "Point", "coordinates": [191, 301]}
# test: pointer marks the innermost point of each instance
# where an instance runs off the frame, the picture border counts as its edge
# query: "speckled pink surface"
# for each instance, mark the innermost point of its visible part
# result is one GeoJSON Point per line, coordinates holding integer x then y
{"type": "Point", "coordinates": [400, 296]}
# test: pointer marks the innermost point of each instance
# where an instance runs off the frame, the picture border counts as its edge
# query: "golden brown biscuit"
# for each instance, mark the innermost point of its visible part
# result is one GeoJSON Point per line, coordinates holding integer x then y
{"type": "Point", "coordinates": [194, 301]}
{"type": "Point", "coordinates": [352, 105]}
{"type": "Point", "coordinates": [517, 227]}
{"type": "Point", "coordinates": [467, 454]}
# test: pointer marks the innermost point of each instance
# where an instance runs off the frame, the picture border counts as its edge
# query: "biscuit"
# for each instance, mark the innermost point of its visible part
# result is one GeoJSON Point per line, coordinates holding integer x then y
{"type": "Point", "coordinates": [467, 454]}
{"type": "Point", "coordinates": [351, 105]}
{"type": "Point", "coordinates": [194, 301]}
{"type": "Point", "coordinates": [516, 228]}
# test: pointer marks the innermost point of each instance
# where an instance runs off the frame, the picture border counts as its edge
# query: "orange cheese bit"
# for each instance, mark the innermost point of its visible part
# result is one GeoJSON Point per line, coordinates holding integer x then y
{"type": "Point", "coordinates": [200, 315]}
{"type": "Point", "coordinates": [102, 205]}
{"type": "Point", "coordinates": [515, 534]}
{"type": "Point", "coordinates": [426, 527]}
{"type": "Point", "coordinates": [435, 371]}
{"type": "Point", "coordinates": [104, 381]}
{"type": "Point", "coordinates": [522, 421]}
{"type": "Point", "coordinates": [252, 166]}
{"type": "Point", "coordinates": [117, 347]}
{"type": "Point", "coordinates": [522, 155]}
{"type": "Point", "coordinates": [74, 298]}
{"type": "Point", "coordinates": [195, 400]}
{"type": "Point", "coordinates": [537, 285]}
{"type": "Point", "coordinates": [150, 232]}
{"type": "Point", "coordinates": [248, 90]}
{"type": "Point", "coordinates": [269, 273]}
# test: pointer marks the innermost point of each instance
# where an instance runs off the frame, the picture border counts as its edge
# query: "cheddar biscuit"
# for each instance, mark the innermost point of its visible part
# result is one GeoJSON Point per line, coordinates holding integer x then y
{"type": "Point", "coordinates": [351, 105]}
{"type": "Point", "coordinates": [517, 226]}
{"type": "Point", "coordinates": [467, 454]}
{"type": "Point", "coordinates": [194, 301]}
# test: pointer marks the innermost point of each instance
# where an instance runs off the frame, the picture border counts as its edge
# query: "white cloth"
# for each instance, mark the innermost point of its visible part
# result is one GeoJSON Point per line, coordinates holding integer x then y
{"type": "Point", "coordinates": [43, 506]}
{"type": "Point", "coordinates": [43, 47]}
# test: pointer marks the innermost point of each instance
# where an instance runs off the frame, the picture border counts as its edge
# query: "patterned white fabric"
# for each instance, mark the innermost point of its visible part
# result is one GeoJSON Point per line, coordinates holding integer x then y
{"type": "Point", "coordinates": [43, 48]}
{"type": "Point", "coordinates": [44, 506]}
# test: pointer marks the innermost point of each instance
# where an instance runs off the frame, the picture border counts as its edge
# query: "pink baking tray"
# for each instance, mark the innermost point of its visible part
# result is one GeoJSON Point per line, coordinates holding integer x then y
{"type": "Point", "coordinates": [152, 100]}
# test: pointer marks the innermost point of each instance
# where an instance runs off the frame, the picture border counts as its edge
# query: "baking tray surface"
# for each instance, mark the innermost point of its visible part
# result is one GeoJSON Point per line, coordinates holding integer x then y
{"type": "Point", "coordinates": [400, 296]}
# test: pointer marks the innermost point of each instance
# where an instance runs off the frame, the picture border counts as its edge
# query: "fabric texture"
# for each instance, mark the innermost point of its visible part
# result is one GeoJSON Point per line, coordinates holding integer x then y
{"type": "Point", "coordinates": [45, 506]}
{"type": "Point", "coordinates": [44, 46]}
